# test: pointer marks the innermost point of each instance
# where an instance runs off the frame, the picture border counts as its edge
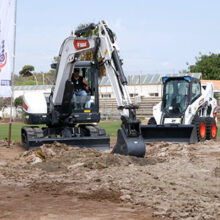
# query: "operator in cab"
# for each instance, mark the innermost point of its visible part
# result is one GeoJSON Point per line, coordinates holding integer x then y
{"type": "Point", "coordinates": [80, 88]}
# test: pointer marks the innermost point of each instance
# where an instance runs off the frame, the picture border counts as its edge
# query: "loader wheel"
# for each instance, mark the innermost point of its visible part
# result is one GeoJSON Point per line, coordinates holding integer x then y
{"type": "Point", "coordinates": [211, 128]}
{"type": "Point", "coordinates": [152, 121]}
{"type": "Point", "coordinates": [200, 124]}
{"type": "Point", "coordinates": [202, 130]}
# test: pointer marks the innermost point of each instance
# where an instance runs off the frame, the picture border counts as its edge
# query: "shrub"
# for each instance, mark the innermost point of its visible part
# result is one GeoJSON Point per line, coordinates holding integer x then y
{"type": "Point", "coordinates": [18, 101]}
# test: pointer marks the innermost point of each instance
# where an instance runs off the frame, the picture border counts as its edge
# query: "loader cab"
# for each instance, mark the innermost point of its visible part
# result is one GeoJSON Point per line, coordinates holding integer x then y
{"type": "Point", "coordinates": [178, 93]}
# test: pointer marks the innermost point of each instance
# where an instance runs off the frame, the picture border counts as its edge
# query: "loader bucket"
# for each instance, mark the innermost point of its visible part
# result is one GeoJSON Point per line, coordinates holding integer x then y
{"type": "Point", "coordinates": [169, 133]}
{"type": "Point", "coordinates": [132, 146]}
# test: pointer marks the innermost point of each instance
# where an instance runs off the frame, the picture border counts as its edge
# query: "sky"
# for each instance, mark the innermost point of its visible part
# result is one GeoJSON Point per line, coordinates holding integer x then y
{"type": "Point", "coordinates": [158, 36]}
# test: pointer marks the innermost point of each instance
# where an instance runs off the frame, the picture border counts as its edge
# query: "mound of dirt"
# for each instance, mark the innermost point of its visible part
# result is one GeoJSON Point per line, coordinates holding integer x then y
{"type": "Point", "coordinates": [4, 143]}
{"type": "Point", "coordinates": [52, 157]}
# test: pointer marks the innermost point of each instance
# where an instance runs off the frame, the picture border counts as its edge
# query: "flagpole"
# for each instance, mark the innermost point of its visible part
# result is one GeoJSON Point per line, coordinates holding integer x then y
{"type": "Point", "coordinates": [12, 77]}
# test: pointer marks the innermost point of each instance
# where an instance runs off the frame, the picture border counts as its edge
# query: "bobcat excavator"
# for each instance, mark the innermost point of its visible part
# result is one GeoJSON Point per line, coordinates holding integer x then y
{"type": "Point", "coordinates": [187, 112]}
{"type": "Point", "coordinates": [77, 125]}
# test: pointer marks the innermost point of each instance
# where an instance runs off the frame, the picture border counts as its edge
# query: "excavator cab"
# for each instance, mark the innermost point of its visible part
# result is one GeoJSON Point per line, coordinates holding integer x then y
{"type": "Point", "coordinates": [86, 100]}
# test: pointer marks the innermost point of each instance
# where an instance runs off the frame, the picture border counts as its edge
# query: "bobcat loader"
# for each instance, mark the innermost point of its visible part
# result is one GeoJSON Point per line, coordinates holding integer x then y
{"type": "Point", "coordinates": [187, 112]}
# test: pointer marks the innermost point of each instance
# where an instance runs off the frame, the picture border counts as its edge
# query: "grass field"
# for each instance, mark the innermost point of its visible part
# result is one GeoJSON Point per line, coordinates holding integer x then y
{"type": "Point", "coordinates": [111, 128]}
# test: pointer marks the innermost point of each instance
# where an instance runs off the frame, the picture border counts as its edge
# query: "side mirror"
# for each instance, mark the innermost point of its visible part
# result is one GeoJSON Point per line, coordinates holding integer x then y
{"type": "Point", "coordinates": [53, 66]}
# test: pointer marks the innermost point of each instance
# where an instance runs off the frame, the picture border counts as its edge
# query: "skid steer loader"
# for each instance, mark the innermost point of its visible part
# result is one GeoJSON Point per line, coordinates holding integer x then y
{"type": "Point", "coordinates": [187, 112]}
{"type": "Point", "coordinates": [75, 123]}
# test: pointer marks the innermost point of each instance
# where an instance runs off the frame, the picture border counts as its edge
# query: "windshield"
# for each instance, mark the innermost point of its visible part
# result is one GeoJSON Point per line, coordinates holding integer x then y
{"type": "Point", "coordinates": [84, 89]}
{"type": "Point", "coordinates": [176, 96]}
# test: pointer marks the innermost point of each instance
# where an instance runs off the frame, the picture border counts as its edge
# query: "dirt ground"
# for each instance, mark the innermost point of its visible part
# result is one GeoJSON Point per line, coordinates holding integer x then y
{"type": "Point", "coordinates": [173, 181]}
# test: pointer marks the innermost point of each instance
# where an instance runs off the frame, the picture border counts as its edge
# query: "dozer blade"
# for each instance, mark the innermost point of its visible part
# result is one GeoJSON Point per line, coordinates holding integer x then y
{"type": "Point", "coordinates": [169, 133]}
{"type": "Point", "coordinates": [96, 142]}
{"type": "Point", "coordinates": [132, 146]}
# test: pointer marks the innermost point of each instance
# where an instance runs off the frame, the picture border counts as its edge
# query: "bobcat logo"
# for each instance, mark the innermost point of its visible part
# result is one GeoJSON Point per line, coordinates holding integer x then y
{"type": "Point", "coordinates": [3, 56]}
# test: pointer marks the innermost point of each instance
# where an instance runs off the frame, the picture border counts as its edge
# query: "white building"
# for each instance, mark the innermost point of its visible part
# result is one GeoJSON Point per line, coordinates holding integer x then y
{"type": "Point", "coordinates": [21, 90]}
{"type": "Point", "coordinates": [148, 85]}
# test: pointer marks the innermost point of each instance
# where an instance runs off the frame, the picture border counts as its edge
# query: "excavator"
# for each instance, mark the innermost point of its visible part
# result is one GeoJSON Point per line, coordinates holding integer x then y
{"type": "Point", "coordinates": [75, 122]}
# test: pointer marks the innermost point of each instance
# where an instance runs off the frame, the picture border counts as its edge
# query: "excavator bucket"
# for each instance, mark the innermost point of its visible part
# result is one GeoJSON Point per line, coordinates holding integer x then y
{"type": "Point", "coordinates": [169, 133]}
{"type": "Point", "coordinates": [132, 146]}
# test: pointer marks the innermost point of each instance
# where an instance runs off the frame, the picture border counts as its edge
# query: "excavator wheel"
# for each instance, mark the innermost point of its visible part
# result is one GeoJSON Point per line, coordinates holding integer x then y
{"type": "Point", "coordinates": [211, 128]}
{"type": "Point", "coordinates": [152, 121]}
{"type": "Point", "coordinates": [200, 124]}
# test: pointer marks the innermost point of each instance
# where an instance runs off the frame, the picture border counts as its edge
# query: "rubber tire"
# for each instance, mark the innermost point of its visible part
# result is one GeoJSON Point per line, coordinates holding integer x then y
{"type": "Point", "coordinates": [24, 139]}
{"type": "Point", "coordinates": [210, 122]}
{"type": "Point", "coordinates": [152, 121]}
{"type": "Point", "coordinates": [198, 122]}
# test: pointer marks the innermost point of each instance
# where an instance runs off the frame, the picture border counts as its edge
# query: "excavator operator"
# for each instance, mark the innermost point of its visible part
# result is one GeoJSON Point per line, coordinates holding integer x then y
{"type": "Point", "coordinates": [80, 88]}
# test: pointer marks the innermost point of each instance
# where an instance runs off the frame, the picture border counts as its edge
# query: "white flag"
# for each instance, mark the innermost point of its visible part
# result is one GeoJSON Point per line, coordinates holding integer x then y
{"type": "Point", "coordinates": [7, 30]}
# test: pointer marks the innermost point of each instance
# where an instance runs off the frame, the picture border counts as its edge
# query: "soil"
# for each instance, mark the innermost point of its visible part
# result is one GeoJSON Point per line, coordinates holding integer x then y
{"type": "Point", "coordinates": [173, 181]}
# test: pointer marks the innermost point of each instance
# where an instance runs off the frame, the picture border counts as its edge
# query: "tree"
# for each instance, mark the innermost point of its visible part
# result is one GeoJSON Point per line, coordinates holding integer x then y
{"type": "Point", "coordinates": [208, 65]}
{"type": "Point", "coordinates": [89, 33]}
{"type": "Point", "coordinates": [27, 70]}
{"type": "Point", "coordinates": [4, 102]}
{"type": "Point", "coordinates": [18, 101]}
{"type": "Point", "coordinates": [89, 54]}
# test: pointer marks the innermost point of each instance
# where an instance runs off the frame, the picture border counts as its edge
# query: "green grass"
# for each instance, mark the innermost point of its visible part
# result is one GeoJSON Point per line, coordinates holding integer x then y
{"type": "Point", "coordinates": [15, 133]}
{"type": "Point", "coordinates": [111, 128]}
{"type": "Point", "coordinates": [26, 83]}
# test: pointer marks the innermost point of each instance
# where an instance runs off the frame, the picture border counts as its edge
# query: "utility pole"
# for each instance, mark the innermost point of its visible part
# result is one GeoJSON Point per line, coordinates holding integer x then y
{"type": "Point", "coordinates": [43, 77]}
{"type": "Point", "coordinates": [12, 75]}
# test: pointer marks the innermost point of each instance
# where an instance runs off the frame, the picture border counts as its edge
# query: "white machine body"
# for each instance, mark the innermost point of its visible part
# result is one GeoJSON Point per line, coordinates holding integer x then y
{"type": "Point", "coordinates": [204, 103]}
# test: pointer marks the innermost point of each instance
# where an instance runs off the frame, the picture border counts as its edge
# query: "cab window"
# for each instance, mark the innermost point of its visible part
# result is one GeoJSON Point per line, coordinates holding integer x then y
{"type": "Point", "coordinates": [196, 91]}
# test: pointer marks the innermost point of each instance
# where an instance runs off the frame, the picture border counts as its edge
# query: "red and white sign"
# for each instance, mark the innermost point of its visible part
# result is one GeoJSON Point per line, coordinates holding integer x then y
{"type": "Point", "coordinates": [81, 44]}
{"type": "Point", "coordinates": [201, 101]}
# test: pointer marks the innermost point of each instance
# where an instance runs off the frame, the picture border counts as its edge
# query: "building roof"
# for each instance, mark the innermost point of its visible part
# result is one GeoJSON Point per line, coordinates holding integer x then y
{"type": "Point", "coordinates": [148, 78]}
{"type": "Point", "coordinates": [132, 80]}
{"type": "Point", "coordinates": [215, 82]}
{"type": "Point", "coordinates": [34, 87]}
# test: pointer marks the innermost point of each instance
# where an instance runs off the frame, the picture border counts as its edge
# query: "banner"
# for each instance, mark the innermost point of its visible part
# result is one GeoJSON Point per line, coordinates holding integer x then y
{"type": "Point", "coordinates": [7, 34]}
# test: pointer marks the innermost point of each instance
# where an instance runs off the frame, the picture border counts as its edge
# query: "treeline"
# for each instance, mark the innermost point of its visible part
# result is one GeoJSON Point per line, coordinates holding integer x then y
{"type": "Point", "coordinates": [35, 79]}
